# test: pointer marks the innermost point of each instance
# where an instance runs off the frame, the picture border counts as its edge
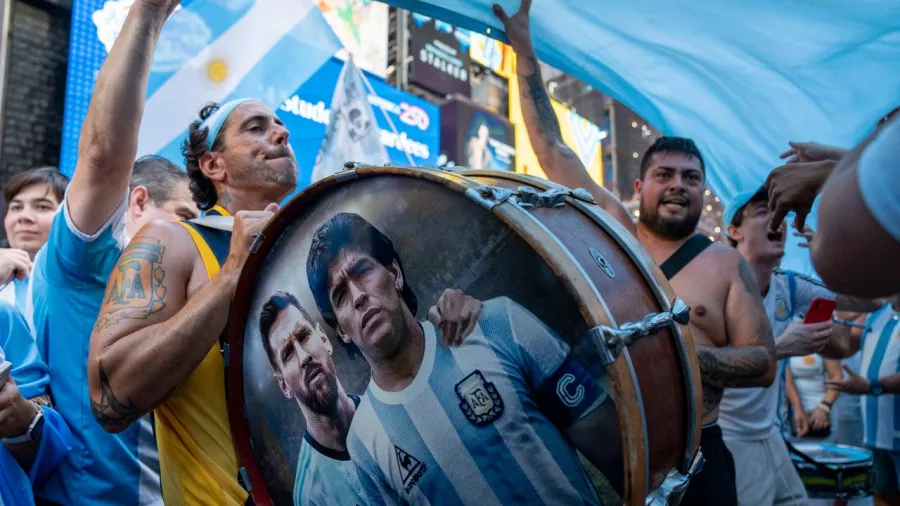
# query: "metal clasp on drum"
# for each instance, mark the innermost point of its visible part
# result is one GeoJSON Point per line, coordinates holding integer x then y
{"type": "Point", "coordinates": [611, 341]}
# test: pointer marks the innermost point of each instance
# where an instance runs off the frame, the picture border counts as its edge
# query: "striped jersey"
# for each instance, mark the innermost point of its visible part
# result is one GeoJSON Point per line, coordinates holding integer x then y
{"type": "Point", "coordinates": [880, 358]}
{"type": "Point", "coordinates": [326, 477]}
{"type": "Point", "coordinates": [482, 423]}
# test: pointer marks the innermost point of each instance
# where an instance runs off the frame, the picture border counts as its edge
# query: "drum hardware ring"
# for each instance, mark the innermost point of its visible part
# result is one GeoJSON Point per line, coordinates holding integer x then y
{"type": "Point", "coordinates": [612, 341]}
{"type": "Point", "coordinates": [675, 483]}
{"type": "Point", "coordinates": [258, 238]}
{"type": "Point", "coordinates": [489, 196]}
{"type": "Point", "coordinates": [529, 198]}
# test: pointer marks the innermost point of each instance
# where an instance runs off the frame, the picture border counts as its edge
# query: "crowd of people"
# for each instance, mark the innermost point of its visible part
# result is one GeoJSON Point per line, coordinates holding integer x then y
{"type": "Point", "coordinates": [114, 296]}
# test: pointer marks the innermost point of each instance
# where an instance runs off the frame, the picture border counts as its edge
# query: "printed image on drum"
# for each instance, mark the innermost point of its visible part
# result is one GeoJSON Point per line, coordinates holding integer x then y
{"type": "Point", "coordinates": [344, 389]}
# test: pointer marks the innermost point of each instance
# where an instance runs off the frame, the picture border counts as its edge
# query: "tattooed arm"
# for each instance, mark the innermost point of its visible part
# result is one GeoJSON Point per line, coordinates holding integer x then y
{"type": "Point", "coordinates": [149, 337]}
{"type": "Point", "coordinates": [749, 358]}
{"type": "Point", "coordinates": [557, 159]}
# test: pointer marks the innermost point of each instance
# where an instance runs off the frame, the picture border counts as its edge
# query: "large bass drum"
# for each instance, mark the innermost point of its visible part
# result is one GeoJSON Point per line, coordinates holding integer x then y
{"type": "Point", "coordinates": [418, 336]}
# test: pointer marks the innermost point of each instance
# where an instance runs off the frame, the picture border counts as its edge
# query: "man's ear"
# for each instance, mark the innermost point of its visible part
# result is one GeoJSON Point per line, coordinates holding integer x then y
{"type": "Point", "coordinates": [735, 233]}
{"type": "Point", "coordinates": [213, 166]}
{"type": "Point", "coordinates": [398, 275]}
{"type": "Point", "coordinates": [285, 389]}
{"type": "Point", "coordinates": [138, 199]}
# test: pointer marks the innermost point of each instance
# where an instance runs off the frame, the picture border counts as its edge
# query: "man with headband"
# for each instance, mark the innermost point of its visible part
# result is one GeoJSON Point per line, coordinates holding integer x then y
{"type": "Point", "coordinates": [154, 346]}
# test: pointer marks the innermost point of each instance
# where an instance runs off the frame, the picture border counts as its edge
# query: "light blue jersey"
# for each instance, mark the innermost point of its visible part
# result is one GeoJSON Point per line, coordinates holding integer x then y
{"type": "Point", "coordinates": [326, 477]}
{"type": "Point", "coordinates": [880, 358]}
{"type": "Point", "coordinates": [69, 283]}
{"type": "Point", "coordinates": [481, 423]}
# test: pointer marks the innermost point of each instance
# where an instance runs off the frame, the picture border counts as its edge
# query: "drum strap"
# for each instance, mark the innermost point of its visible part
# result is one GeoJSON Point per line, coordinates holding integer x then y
{"type": "Point", "coordinates": [687, 252]}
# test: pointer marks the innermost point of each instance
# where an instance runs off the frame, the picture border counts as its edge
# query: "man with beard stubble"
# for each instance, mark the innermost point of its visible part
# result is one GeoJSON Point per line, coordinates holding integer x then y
{"type": "Point", "coordinates": [733, 337]}
{"type": "Point", "coordinates": [301, 357]}
{"type": "Point", "coordinates": [155, 345]}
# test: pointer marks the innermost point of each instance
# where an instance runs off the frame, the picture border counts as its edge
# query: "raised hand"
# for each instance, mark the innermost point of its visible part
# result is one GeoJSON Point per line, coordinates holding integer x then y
{"type": "Point", "coordinates": [808, 235]}
{"type": "Point", "coordinates": [455, 314]}
{"type": "Point", "coordinates": [802, 152]}
{"type": "Point", "coordinates": [517, 26]}
{"type": "Point", "coordinates": [794, 187]}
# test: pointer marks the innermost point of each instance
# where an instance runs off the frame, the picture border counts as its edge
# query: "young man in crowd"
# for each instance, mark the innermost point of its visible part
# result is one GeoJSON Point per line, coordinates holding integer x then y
{"type": "Point", "coordinates": [33, 437]}
{"type": "Point", "coordinates": [438, 423]}
{"type": "Point", "coordinates": [750, 416]}
{"type": "Point", "coordinates": [728, 321]}
{"type": "Point", "coordinates": [879, 383]}
{"type": "Point", "coordinates": [110, 198]}
{"type": "Point", "coordinates": [33, 197]}
{"type": "Point", "coordinates": [859, 205]}
{"type": "Point", "coordinates": [301, 357]}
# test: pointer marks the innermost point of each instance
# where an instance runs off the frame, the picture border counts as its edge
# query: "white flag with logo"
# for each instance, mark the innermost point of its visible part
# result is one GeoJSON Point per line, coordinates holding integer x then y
{"type": "Point", "coordinates": [353, 134]}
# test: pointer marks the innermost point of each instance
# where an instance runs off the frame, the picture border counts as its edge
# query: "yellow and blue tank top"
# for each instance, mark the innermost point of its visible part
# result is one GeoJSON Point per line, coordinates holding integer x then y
{"type": "Point", "coordinates": [198, 463]}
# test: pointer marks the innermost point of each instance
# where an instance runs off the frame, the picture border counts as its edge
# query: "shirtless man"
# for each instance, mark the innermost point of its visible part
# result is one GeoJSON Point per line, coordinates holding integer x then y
{"type": "Point", "coordinates": [728, 322]}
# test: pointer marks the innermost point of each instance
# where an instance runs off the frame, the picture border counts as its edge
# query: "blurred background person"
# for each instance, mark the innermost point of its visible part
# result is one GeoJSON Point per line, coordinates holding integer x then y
{"type": "Point", "coordinates": [811, 401]}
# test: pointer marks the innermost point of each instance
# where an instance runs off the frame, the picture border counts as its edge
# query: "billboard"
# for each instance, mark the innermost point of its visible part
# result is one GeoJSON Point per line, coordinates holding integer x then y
{"type": "Point", "coordinates": [475, 138]}
{"type": "Point", "coordinates": [409, 126]}
{"type": "Point", "coordinates": [362, 27]}
{"type": "Point", "coordinates": [440, 55]}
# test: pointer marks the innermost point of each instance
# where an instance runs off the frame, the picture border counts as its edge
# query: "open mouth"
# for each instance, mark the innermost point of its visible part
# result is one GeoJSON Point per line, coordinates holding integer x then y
{"type": "Point", "coordinates": [775, 236]}
{"type": "Point", "coordinates": [368, 316]}
{"type": "Point", "coordinates": [674, 204]}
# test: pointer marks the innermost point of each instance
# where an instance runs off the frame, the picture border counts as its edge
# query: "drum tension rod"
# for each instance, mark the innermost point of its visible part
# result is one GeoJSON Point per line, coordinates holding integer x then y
{"type": "Point", "coordinates": [612, 341]}
{"type": "Point", "coordinates": [675, 483]}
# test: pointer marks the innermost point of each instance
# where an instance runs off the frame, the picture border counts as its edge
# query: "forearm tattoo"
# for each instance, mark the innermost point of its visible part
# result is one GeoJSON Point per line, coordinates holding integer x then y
{"type": "Point", "coordinates": [732, 367]}
{"type": "Point", "coordinates": [546, 119]}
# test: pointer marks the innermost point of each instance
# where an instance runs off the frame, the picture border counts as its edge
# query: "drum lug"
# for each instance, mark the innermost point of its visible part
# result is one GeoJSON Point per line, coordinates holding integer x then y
{"type": "Point", "coordinates": [611, 341]}
{"type": "Point", "coordinates": [675, 484]}
{"type": "Point", "coordinates": [348, 172]}
{"type": "Point", "coordinates": [489, 196]}
{"type": "Point", "coordinates": [529, 198]}
{"type": "Point", "coordinates": [583, 195]}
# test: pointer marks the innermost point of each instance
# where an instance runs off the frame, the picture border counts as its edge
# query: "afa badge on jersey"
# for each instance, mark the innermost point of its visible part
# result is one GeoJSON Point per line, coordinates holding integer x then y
{"type": "Point", "coordinates": [479, 399]}
{"type": "Point", "coordinates": [781, 309]}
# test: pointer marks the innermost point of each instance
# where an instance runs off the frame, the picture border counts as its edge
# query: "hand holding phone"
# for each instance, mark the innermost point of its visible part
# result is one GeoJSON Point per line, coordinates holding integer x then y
{"type": "Point", "coordinates": [5, 369]}
{"type": "Point", "coordinates": [820, 310]}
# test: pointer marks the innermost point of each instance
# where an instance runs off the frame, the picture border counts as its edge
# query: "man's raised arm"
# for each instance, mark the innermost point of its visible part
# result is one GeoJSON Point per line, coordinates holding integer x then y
{"type": "Point", "coordinates": [559, 162]}
{"type": "Point", "coordinates": [109, 135]}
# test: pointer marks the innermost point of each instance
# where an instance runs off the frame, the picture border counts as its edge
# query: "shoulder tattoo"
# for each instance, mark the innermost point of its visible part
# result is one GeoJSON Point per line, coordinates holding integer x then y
{"type": "Point", "coordinates": [135, 289]}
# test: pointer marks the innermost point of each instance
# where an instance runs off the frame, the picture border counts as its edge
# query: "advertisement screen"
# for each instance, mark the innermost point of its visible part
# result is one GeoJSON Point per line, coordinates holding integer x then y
{"type": "Point", "coordinates": [410, 126]}
{"type": "Point", "coordinates": [475, 138]}
{"type": "Point", "coordinates": [440, 55]}
{"type": "Point", "coordinates": [362, 27]}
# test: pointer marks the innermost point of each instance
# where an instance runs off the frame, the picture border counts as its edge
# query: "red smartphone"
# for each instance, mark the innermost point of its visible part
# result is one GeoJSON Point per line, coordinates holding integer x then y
{"type": "Point", "coordinates": [820, 310]}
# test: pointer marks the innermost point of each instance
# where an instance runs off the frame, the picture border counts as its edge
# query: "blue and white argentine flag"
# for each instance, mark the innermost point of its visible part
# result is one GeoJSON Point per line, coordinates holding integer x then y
{"type": "Point", "coordinates": [218, 50]}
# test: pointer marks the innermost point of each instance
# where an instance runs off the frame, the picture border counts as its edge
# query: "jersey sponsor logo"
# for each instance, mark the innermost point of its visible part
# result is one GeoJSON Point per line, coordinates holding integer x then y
{"type": "Point", "coordinates": [570, 399]}
{"type": "Point", "coordinates": [411, 468]}
{"type": "Point", "coordinates": [480, 401]}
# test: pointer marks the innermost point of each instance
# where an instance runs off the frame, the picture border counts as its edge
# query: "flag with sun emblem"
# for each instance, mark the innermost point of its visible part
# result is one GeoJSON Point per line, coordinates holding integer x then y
{"type": "Point", "coordinates": [218, 50]}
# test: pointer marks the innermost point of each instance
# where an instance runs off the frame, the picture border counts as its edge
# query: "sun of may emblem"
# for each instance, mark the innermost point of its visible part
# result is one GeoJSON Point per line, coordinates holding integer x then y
{"type": "Point", "coordinates": [135, 287]}
{"type": "Point", "coordinates": [479, 399]}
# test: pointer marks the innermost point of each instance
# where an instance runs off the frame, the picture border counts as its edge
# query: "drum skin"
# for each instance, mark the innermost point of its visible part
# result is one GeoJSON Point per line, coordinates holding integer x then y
{"type": "Point", "coordinates": [655, 382]}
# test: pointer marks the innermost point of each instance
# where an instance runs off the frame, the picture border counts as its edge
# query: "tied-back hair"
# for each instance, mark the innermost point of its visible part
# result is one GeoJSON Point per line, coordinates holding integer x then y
{"type": "Point", "coordinates": [348, 231]}
{"type": "Point", "coordinates": [664, 144]}
{"type": "Point", "coordinates": [195, 146]}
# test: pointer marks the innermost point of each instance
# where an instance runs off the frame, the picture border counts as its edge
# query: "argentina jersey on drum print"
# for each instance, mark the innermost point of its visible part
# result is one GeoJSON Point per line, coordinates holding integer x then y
{"type": "Point", "coordinates": [482, 423]}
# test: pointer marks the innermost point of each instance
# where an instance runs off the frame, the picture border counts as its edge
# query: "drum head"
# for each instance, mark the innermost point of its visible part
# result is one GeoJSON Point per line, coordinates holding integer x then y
{"type": "Point", "coordinates": [341, 387]}
{"type": "Point", "coordinates": [832, 454]}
